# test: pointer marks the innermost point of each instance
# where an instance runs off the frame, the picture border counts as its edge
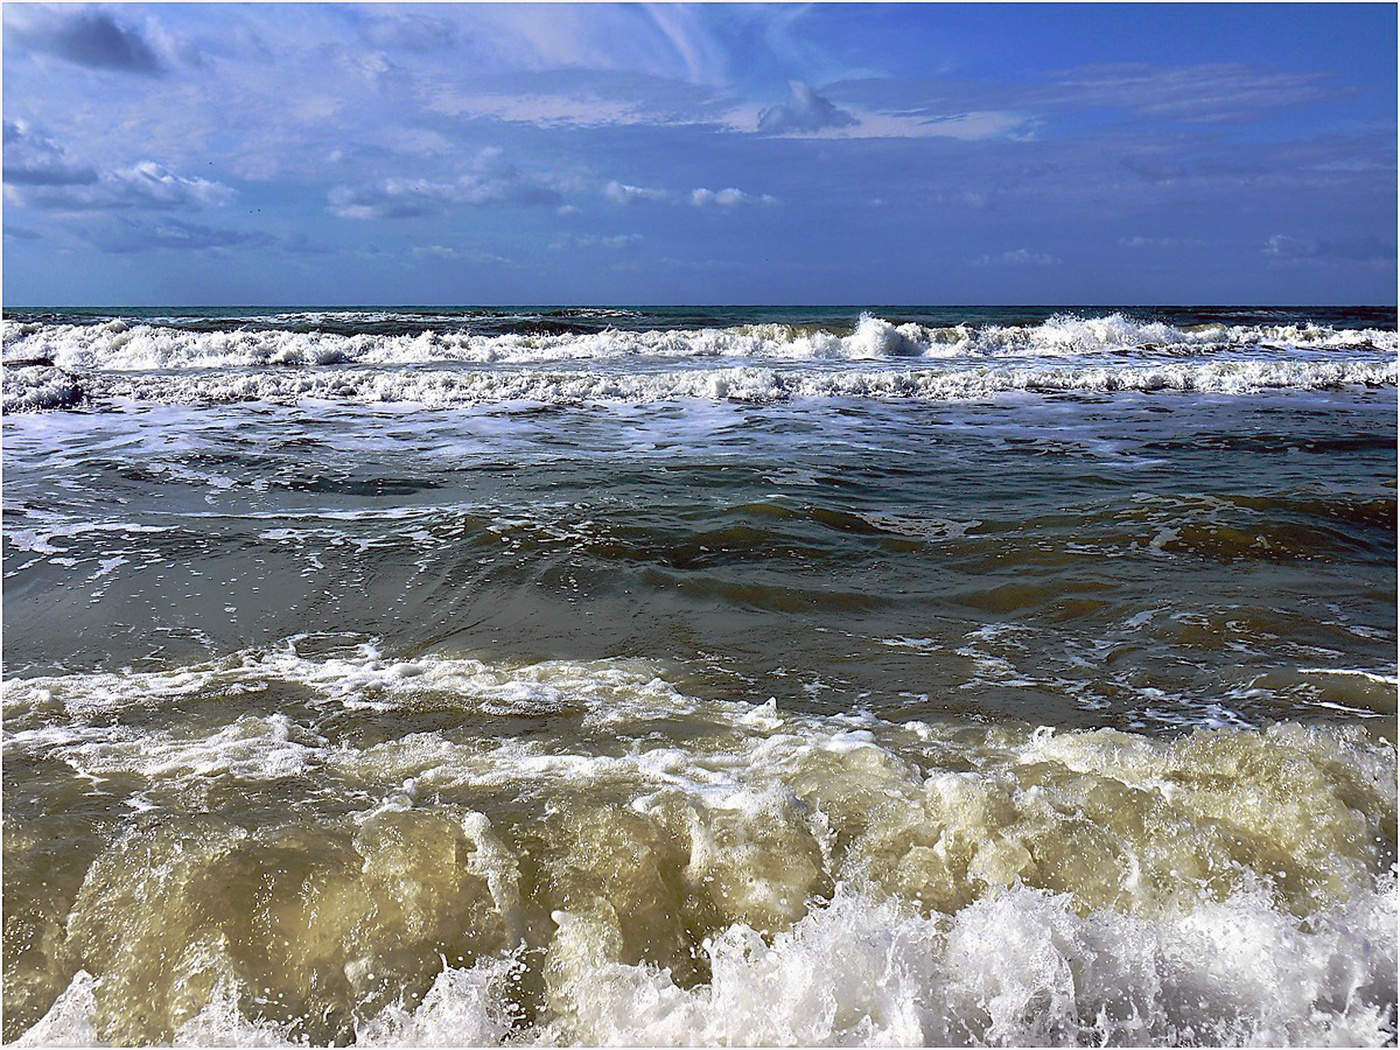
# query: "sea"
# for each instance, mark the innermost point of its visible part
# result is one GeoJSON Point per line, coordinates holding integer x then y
{"type": "Point", "coordinates": [676, 676]}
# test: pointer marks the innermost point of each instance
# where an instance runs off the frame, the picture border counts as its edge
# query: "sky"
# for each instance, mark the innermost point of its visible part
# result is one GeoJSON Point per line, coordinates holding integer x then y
{"type": "Point", "coordinates": [283, 154]}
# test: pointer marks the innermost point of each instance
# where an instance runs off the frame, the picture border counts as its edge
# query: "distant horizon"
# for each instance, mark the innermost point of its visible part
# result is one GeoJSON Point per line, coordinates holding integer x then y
{"type": "Point", "coordinates": [704, 306]}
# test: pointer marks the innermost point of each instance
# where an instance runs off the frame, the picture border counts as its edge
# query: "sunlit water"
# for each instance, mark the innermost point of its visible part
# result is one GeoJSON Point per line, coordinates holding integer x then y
{"type": "Point", "coordinates": [761, 676]}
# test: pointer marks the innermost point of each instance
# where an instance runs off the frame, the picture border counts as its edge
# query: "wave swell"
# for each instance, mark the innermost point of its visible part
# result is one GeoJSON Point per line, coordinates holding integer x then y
{"type": "Point", "coordinates": [121, 345]}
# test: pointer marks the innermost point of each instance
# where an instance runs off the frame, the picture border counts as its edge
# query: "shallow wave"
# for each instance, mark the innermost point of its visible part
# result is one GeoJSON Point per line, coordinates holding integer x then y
{"type": "Point", "coordinates": [645, 865]}
{"type": "Point", "coordinates": [35, 388]}
{"type": "Point", "coordinates": [1019, 969]}
{"type": "Point", "coordinates": [124, 345]}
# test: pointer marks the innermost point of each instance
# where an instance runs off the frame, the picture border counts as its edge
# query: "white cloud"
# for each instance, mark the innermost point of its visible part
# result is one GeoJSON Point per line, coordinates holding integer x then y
{"type": "Point", "coordinates": [38, 174]}
{"type": "Point", "coordinates": [1138, 241]}
{"type": "Point", "coordinates": [152, 183]}
{"type": "Point", "coordinates": [545, 110]}
{"type": "Point", "coordinates": [575, 97]}
{"type": "Point", "coordinates": [492, 181]}
{"type": "Point", "coordinates": [727, 198]}
{"type": "Point", "coordinates": [443, 251]}
{"type": "Point", "coordinates": [1018, 257]}
{"type": "Point", "coordinates": [616, 242]}
{"type": "Point", "coordinates": [804, 111]}
{"type": "Point", "coordinates": [623, 193]}
{"type": "Point", "coordinates": [972, 126]}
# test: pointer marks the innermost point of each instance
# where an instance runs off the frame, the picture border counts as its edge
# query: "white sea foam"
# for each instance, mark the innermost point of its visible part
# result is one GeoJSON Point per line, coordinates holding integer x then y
{"type": "Point", "coordinates": [122, 345]}
{"type": "Point", "coordinates": [33, 389]}
{"type": "Point", "coordinates": [448, 388]}
{"type": "Point", "coordinates": [866, 881]}
{"type": "Point", "coordinates": [54, 366]}
{"type": "Point", "coordinates": [1018, 968]}
{"type": "Point", "coordinates": [357, 676]}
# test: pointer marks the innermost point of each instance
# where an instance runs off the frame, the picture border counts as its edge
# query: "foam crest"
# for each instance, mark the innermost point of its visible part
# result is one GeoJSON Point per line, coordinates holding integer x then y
{"type": "Point", "coordinates": [69, 1022]}
{"type": "Point", "coordinates": [442, 388]}
{"type": "Point", "coordinates": [121, 345]}
{"type": "Point", "coordinates": [355, 676]}
{"type": "Point", "coordinates": [34, 389]}
{"type": "Point", "coordinates": [1066, 334]}
{"type": "Point", "coordinates": [1019, 968]}
{"type": "Point", "coordinates": [464, 1007]}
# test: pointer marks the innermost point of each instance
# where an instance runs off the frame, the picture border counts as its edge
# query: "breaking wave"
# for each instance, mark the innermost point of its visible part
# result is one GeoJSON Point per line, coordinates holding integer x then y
{"type": "Point", "coordinates": [122, 345]}
{"type": "Point", "coordinates": [748, 875]}
{"type": "Point", "coordinates": [36, 388]}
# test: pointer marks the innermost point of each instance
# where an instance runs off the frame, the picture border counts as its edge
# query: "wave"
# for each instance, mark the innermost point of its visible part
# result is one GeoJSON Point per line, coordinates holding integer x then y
{"type": "Point", "coordinates": [1023, 969]}
{"type": "Point", "coordinates": [37, 388]}
{"type": "Point", "coordinates": [124, 345]}
{"type": "Point", "coordinates": [765, 877]}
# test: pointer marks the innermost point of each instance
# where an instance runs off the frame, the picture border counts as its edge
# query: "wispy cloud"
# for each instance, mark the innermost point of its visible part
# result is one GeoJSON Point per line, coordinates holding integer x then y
{"type": "Point", "coordinates": [576, 97]}
{"type": "Point", "coordinates": [614, 242]}
{"type": "Point", "coordinates": [37, 173]}
{"type": "Point", "coordinates": [1203, 94]}
{"type": "Point", "coordinates": [493, 181]}
{"type": "Point", "coordinates": [412, 29]}
{"type": "Point", "coordinates": [461, 254]}
{"type": "Point", "coordinates": [858, 123]}
{"type": "Point", "coordinates": [545, 110]}
{"type": "Point", "coordinates": [1288, 250]}
{"type": "Point", "coordinates": [131, 236]}
{"type": "Point", "coordinates": [1139, 241]}
{"type": "Point", "coordinates": [1017, 257]}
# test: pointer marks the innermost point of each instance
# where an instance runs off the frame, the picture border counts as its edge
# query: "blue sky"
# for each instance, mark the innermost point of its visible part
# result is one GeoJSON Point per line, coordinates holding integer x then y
{"type": "Point", "coordinates": [863, 154]}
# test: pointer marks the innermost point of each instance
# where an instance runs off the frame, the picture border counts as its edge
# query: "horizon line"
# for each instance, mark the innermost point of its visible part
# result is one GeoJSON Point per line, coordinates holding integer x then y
{"type": "Point", "coordinates": [694, 306]}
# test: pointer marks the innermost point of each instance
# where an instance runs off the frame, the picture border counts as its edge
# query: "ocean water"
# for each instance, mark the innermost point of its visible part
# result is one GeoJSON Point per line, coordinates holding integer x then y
{"type": "Point", "coordinates": [956, 676]}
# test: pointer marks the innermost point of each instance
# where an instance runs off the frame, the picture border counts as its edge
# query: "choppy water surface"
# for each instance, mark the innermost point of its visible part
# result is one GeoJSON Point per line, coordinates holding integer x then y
{"type": "Point", "coordinates": [675, 676]}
